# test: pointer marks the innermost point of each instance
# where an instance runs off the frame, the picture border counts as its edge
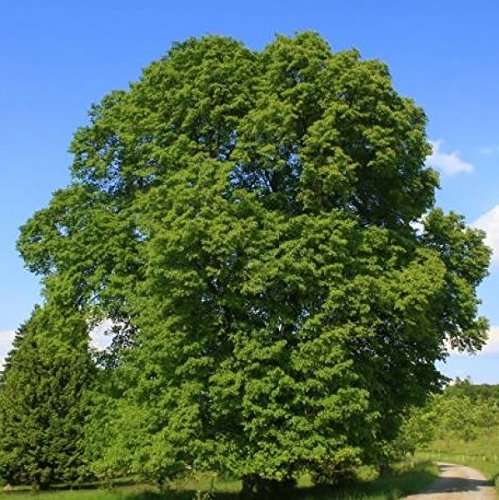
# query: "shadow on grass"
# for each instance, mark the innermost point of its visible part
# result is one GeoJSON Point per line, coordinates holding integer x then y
{"type": "Point", "coordinates": [385, 488]}
{"type": "Point", "coordinates": [176, 495]}
{"type": "Point", "coordinates": [390, 487]}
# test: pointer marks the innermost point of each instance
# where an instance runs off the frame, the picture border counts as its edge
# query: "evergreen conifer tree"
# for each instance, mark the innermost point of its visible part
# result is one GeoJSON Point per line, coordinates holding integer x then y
{"type": "Point", "coordinates": [43, 400]}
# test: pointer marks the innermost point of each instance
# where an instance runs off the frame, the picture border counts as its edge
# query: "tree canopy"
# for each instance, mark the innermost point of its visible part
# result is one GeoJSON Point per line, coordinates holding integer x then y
{"type": "Point", "coordinates": [260, 228]}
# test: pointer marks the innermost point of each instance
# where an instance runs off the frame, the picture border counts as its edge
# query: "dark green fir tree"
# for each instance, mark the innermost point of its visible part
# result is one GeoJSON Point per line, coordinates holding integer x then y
{"type": "Point", "coordinates": [43, 403]}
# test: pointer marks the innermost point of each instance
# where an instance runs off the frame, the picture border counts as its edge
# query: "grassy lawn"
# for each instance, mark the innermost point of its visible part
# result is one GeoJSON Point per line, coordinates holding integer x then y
{"type": "Point", "coordinates": [403, 482]}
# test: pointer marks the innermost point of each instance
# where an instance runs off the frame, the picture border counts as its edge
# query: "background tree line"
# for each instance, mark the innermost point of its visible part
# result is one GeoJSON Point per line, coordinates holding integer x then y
{"type": "Point", "coordinates": [463, 412]}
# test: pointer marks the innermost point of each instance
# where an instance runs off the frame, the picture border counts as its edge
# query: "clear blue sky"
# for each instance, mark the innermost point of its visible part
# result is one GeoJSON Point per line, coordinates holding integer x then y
{"type": "Point", "coordinates": [58, 57]}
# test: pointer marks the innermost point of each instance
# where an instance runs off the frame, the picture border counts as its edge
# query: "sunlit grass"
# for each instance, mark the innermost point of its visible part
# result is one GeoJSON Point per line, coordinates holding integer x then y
{"type": "Point", "coordinates": [402, 482]}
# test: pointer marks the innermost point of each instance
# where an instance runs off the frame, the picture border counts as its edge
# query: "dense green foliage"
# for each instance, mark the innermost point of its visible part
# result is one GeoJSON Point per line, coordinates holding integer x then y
{"type": "Point", "coordinates": [247, 221]}
{"type": "Point", "coordinates": [42, 401]}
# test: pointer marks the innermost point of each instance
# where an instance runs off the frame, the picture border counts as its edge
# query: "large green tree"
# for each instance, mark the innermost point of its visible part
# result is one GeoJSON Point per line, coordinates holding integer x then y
{"type": "Point", "coordinates": [248, 221]}
{"type": "Point", "coordinates": [43, 400]}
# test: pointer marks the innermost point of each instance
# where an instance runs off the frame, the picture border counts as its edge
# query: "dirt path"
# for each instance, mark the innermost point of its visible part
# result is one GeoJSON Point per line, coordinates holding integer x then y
{"type": "Point", "coordinates": [457, 482]}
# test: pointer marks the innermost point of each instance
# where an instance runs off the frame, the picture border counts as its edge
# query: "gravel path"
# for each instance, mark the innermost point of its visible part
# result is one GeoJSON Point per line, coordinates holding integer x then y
{"type": "Point", "coordinates": [457, 482]}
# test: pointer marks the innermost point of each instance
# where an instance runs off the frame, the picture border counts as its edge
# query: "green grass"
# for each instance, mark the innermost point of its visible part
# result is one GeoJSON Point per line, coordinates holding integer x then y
{"type": "Point", "coordinates": [481, 454]}
{"type": "Point", "coordinates": [404, 481]}
{"type": "Point", "coordinates": [401, 483]}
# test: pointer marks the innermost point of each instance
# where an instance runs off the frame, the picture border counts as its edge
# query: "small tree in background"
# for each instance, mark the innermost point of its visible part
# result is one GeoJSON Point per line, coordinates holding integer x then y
{"type": "Point", "coordinates": [42, 400]}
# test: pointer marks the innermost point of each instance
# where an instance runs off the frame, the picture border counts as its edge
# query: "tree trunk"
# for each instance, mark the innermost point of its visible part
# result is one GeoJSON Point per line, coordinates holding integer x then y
{"type": "Point", "coordinates": [255, 486]}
